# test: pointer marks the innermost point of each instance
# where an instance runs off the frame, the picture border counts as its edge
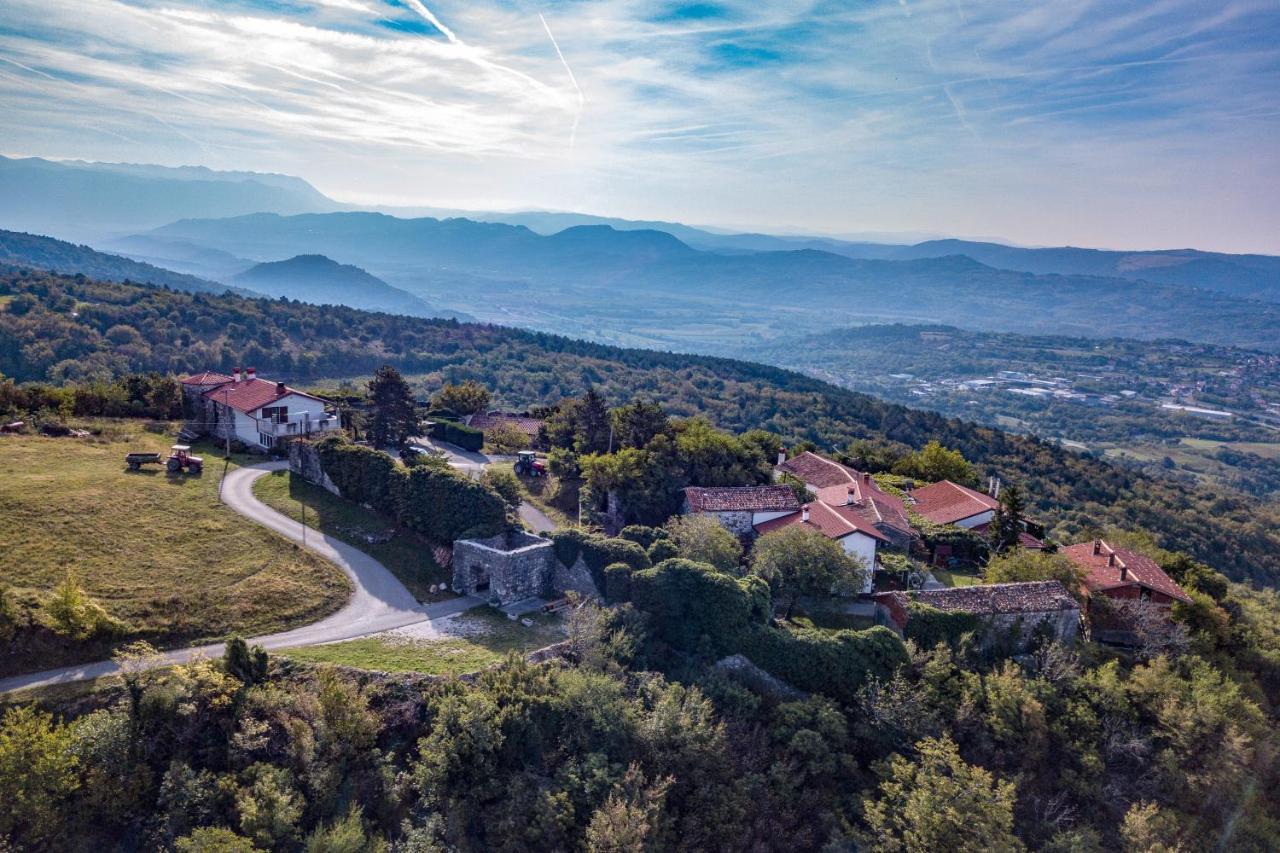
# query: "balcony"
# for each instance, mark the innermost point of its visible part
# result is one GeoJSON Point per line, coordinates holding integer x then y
{"type": "Point", "coordinates": [297, 425]}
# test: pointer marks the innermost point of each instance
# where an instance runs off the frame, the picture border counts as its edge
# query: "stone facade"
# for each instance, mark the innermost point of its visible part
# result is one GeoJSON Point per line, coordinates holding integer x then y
{"type": "Point", "coordinates": [304, 461]}
{"type": "Point", "coordinates": [506, 568]}
{"type": "Point", "coordinates": [1017, 611]}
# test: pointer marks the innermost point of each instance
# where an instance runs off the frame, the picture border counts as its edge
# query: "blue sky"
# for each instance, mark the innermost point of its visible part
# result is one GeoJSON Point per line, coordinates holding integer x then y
{"type": "Point", "coordinates": [1090, 123]}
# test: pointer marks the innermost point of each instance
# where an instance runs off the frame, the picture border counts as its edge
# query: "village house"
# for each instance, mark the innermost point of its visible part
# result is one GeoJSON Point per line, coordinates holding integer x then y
{"type": "Point", "coordinates": [1121, 576]}
{"type": "Point", "coordinates": [946, 502]}
{"type": "Point", "coordinates": [485, 421]}
{"type": "Point", "coordinates": [255, 411]}
{"type": "Point", "coordinates": [838, 485]}
{"type": "Point", "coordinates": [740, 508]}
{"type": "Point", "coordinates": [845, 524]}
{"type": "Point", "coordinates": [1023, 609]}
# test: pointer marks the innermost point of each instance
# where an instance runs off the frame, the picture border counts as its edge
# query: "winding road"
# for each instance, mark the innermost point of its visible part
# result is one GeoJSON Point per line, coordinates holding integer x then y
{"type": "Point", "coordinates": [379, 602]}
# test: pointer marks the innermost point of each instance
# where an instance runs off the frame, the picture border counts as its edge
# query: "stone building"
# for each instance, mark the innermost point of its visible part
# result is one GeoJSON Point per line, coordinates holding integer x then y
{"type": "Point", "coordinates": [506, 568]}
{"type": "Point", "coordinates": [740, 508]}
{"type": "Point", "coordinates": [1022, 607]}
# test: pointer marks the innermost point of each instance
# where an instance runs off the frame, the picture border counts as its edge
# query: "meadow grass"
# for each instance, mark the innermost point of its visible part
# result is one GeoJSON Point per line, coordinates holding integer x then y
{"type": "Point", "coordinates": [489, 638]}
{"type": "Point", "coordinates": [948, 578]}
{"type": "Point", "coordinates": [160, 552]}
{"type": "Point", "coordinates": [406, 554]}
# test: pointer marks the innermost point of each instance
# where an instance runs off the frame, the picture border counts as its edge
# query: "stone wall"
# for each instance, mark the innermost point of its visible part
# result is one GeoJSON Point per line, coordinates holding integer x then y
{"type": "Point", "coordinates": [576, 577]}
{"type": "Point", "coordinates": [304, 460]}
{"type": "Point", "coordinates": [506, 568]}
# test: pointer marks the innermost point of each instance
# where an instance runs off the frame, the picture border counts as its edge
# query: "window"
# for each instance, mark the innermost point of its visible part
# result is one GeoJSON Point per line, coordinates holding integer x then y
{"type": "Point", "coordinates": [266, 440]}
{"type": "Point", "coordinates": [276, 414]}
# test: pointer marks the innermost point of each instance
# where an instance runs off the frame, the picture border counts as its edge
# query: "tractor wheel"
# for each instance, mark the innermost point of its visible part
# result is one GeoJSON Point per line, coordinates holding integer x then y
{"type": "Point", "coordinates": [194, 468]}
{"type": "Point", "coordinates": [174, 466]}
{"type": "Point", "coordinates": [134, 466]}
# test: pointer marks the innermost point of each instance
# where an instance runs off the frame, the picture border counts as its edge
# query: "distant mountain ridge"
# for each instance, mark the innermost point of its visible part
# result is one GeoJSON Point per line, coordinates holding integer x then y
{"type": "Point", "coordinates": [320, 280]}
{"type": "Point", "coordinates": [46, 253]}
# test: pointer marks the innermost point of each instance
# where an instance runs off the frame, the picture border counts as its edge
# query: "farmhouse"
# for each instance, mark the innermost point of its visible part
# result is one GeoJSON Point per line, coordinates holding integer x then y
{"type": "Point", "coordinates": [845, 524]}
{"type": "Point", "coordinates": [1022, 607]}
{"type": "Point", "coordinates": [841, 486]}
{"type": "Point", "coordinates": [951, 503]}
{"type": "Point", "coordinates": [1125, 579]}
{"type": "Point", "coordinates": [485, 421]}
{"type": "Point", "coordinates": [255, 411]}
{"type": "Point", "coordinates": [740, 508]}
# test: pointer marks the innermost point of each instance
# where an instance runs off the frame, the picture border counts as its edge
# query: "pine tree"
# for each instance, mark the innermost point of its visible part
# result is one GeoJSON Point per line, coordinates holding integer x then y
{"type": "Point", "coordinates": [394, 419]}
{"type": "Point", "coordinates": [1007, 524]}
{"type": "Point", "coordinates": [595, 425]}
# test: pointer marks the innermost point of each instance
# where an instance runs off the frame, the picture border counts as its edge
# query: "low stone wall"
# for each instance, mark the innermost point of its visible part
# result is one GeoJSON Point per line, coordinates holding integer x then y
{"type": "Point", "coordinates": [304, 461]}
{"type": "Point", "coordinates": [506, 568]}
{"type": "Point", "coordinates": [576, 578]}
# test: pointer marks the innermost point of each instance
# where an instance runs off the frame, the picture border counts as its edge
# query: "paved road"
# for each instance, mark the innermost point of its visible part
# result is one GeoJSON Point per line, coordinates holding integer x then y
{"type": "Point", "coordinates": [473, 464]}
{"type": "Point", "coordinates": [379, 602]}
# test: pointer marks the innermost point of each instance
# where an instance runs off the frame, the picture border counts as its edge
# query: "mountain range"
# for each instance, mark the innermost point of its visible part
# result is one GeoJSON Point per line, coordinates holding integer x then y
{"type": "Point", "coordinates": [323, 281]}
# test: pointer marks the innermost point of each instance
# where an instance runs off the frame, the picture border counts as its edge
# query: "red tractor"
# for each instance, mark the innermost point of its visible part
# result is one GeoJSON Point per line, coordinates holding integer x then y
{"type": "Point", "coordinates": [528, 465]}
{"type": "Point", "coordinates": [182, 460]}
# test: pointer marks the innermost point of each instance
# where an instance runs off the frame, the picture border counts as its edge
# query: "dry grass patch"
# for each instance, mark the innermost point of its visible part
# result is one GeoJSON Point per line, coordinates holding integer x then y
{"type": "Point", "coordinates": [160, 552]}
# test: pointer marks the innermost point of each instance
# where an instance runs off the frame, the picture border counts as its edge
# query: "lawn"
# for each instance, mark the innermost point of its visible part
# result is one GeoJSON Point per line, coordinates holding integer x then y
{"type": "Point", "coordinates": [406, 554]}
{"type": "Point", "coordinates": [1267, 450]}
{"type": "Point", "coordinates": [160, 552]}
{"type": "Point", "coordinates": [484, 637]}
{"type": "Point", "coordinates": [949, 578]}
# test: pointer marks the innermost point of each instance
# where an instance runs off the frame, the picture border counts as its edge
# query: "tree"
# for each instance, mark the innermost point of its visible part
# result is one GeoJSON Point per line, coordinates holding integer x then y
{"type": "Point", "coordinates": [639, 422]}
{"type": "Point", "coordinates": [630, 820]}
{"type": "Point", "coordinates": [934, 462]}
{"type": "Point", "coordinates": [464, 399]}
{"type": "Point", "coordinates": [1008, 522]}
{"type": "Point", "coordinates": [594, 432]}
{"type": "Point", "coordinates": [215, 839]}
{"type": "Point", "coordinates": [72, 612]}
{"type": "Point", "coordinates": [938, 802]}
{"type": "Point", "coordinates": [37, 775]}
{"type": "Point", "coordinates": [394, 418]}
{"type": "Point", "coordinates": [799, 560]}
{"type": "Point", "coordinates": [506, 438]}
{"type": "Point", "coordinates": [269, 805]}
{"type": "Point", "coordinates": [347, 835]}
{"type": "Point", "coordinates": [704, 540]}
{"type": "Point", "coordinates": [245, 663]}
{"type": "Point", "coordinates": [1020, 565]}
{"type": "Point", "coordinates": [505, 484]}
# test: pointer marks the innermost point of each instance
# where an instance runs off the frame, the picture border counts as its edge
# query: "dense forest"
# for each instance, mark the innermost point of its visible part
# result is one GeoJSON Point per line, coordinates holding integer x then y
{"type": "Point", "coordinates": [60, 329]}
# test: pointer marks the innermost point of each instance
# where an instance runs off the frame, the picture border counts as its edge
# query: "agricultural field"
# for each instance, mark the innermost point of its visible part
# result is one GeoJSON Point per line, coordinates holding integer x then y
{"type": "Point", "coordinates": [454, 645]}
{"type": "Point", "coordinates": [160, 553]}
{"type": "Point", "coordinates": [406, 554]}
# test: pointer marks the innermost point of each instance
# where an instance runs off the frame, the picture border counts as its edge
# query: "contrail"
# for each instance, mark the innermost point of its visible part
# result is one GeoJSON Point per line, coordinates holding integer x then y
{"type": "Point", "coordinates": [582, 100]}
{"type": "Point", "coordinates": [416, 5]}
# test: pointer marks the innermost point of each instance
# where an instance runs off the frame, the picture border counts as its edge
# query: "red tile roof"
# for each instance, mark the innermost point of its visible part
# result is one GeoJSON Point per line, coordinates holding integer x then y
{"type": "Point", "coordinates": [834, 522]}
{"type": "Point", "coordinates": [835, 483]}
{"type": "Point", "coordinates": [207, 378]}
{"type": "Point", "coordinates": [947, 502]}
{"type": "Point", "coordinates": [249, 395]}
{"type": "Point", "coordinates": [486, 420]}
{"type": "Point", "coordinates": [1113, 568]}
{"type": "Point", "coordinates": [741, 499]}
{"type": "Point", "coordinates": [1025, 597]}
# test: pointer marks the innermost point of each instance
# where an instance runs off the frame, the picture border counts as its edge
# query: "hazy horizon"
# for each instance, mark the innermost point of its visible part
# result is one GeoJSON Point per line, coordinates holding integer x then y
{"type": "Point", "coordinates": [1104, 125]}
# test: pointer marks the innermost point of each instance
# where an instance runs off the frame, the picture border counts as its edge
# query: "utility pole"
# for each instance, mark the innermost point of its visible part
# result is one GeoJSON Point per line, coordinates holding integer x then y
{"type": "Point", "coordinates": [303, 504]}
{"type": "Point", "coordinates": [226, 463]}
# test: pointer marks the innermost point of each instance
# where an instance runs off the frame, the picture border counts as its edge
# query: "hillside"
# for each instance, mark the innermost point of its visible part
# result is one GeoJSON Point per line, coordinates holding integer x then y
{"type": "Point", "coordinates": [322, 281]}
{"type": "Point", "coordinates": [88, 201]}
{"type": "Point", "coordinates": [645, 287]}
{"type": "Point", "coordinates": [119, 328]}
{"type": "Point", "coordinates": [46, 253]}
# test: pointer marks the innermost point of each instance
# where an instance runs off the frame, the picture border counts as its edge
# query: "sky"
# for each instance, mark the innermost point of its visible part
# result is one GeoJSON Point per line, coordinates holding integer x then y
{"type": "Point", "coordinates": [1043, 122]}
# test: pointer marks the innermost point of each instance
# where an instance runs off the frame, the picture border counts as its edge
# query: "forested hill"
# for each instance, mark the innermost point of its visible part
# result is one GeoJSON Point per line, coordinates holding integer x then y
{"type": "Point", "coordinates": [70, 329]}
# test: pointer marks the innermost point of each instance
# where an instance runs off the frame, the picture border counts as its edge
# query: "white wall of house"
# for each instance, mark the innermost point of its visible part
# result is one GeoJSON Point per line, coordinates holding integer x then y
{"type": "Point", "coordinates": [762, 517]}
{"type": "Point", "coordinates": [305, 416]}
{"type": "Point", "coordinates": [862, 547]}
{"type": "Point", "coordinates": [975, 520]}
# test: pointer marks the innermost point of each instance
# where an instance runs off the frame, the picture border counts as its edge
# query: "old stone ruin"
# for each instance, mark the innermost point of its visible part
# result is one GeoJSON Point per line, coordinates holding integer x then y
{"type": "Point", "coordinates": [514, 566]}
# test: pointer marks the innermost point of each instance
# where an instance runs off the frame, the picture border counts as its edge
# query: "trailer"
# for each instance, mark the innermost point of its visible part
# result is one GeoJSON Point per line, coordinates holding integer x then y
{"type": "Point", "coordinates": [180, 459]}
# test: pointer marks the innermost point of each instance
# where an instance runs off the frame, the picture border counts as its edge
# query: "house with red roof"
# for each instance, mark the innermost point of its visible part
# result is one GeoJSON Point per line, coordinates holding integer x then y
{"type": "Point", "coordinates": [845, 524]}
{"type": "Point", "coordinates": [530, 426]}
{"type": "Point", "coordinates": [255, 411]}
{"type": "Point", "coordinates": [1122, 576]}
{"type": "Point", "coordinates": [740, 508]}
{"type": "Point", "coordinates": [946, 502]}
{"type": "Point", "coordinates": [837, 485]}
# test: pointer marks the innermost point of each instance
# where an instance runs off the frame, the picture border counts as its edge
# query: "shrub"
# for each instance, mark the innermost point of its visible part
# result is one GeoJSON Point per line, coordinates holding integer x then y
{"type": "Point", "coordinates": [705, 540]}
{"type": "Point", "coordinates": [72, 612]}
{"type": "Point", "coordinates": [928, 626]}
{"type": "Point", "coordinates": [689, 601]}
{"type": "Point", "coordinates": [445, 506]}
{"type": "Point", "coordinates": [834, 663]}
{"type": "Point", "coordinates": [458, 433]}
{"type": "Point", "coordinates": [642, 534]}
{"type": "Point", "coordinates": [617, 583]}
{"type": "Point", "coordinates": [567, 544]}
{"type": "Point", "coordinates": [662, 549]}
{"type": "Point", "coordinates": [505, 484]}
{"type": "Point", "coordinates": [362, 474]}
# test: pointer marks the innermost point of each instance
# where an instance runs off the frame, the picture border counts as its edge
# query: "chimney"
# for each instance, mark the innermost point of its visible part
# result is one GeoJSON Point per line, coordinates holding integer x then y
{"type": "Point", "coordinates": [851, 497]}
{"type": "Point", "coordinates": [280, 388]}
{"type": "Point", "coordinates": [250, 373]}
{"type": "Point", "coordinates": [237, 375]}
{"type": "Point", "coordinates": [782, 456]}
{"type": "Point", "coordinates": [804, 514]}
{"type": "Point", "coordinates": [866, 478]}
{"type": "Point", "coordinates": [1111, 559]}
{"type": "Point", "coordinates": [1097, 547]}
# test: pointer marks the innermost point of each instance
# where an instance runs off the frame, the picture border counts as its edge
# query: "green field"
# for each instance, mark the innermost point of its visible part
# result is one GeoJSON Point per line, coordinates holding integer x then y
{"type": "Point", "coordinates": [407, 555]}
{"type": "Point", "coordinates": [950, 578]}
{"type": "Point", "coordinates": [490, 637]}
{"type": "Point", "coordinates": [159, 552]}
{"type": "Point", "coordinates": [1267, 450]}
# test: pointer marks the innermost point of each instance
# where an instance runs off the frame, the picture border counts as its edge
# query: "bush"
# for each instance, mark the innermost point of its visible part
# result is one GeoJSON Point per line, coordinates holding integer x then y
{"type": "Point", "coordinates": [567, 544]}
{"type": "Point", "coordinates": [690, 601]}
{"type": "Point", "coordinates": [445, 506]}
{"type": "Point", "coordinates": [617, 583]}
{"type": "Point", "coordinates": [362, 474]}
{"type": "Point", "coordinates": [662, 549]}
{"type": "Point", "coordinates": [834, 663]}
{"type": "Point", "coordinates": [928, 626]}
{"type": "Point", "coordinates": [642, 534]}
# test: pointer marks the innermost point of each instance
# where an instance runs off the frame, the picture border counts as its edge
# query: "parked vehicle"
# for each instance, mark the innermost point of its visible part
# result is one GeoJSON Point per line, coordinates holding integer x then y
{"type": "Point", "coordinates": [528, 465]}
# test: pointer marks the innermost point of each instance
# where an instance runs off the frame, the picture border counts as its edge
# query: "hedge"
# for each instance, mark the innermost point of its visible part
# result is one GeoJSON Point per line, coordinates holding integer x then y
{"type": "Point", "coordinates": [617, 583]}
{"type": "Point", "coordinates": [597, 552]}
{"type": "Point", "coordinates": [834, 663]}
{"type": "Point", "coordinates": [468, 438]}
{"type": "Point", "coordinates": [435, 501]}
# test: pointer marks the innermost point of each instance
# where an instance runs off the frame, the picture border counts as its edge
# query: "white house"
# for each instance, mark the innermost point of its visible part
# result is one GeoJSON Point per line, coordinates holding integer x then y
{"type": "Point", "coordinates": [845, 524]}
{"type": "Point", "coordinates": [255, 411]}
{"type": "Point", "coordinates": [951, 503]}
